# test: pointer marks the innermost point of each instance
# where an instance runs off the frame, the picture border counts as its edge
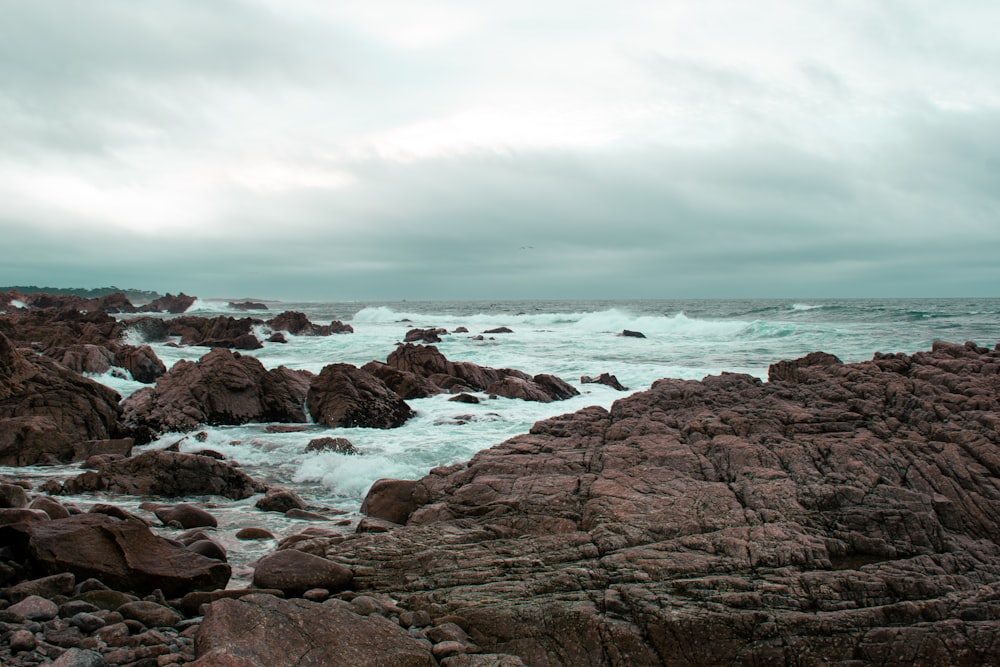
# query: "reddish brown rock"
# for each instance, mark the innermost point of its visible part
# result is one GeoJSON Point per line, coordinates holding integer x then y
{"type": "Point", "coordinates": [169, 304]}
{"type": "Point", "coordinates": [605, 379]}
{"type": "Point", "coordinates": [391, 500]}
{"type": "Point", "coordinates": [298, 324]}
{"type": "Point", "coordinates": [847, 512]}
{"type": "Point", "coordinates": [302, 633]}
{"type": "Point", "coordinates": [185, 515]}
{"type": "Point", "coordinates": [337, 445]}
{"type": "Point", "coordinates": [141, 363]}
{"type": "Point", "coordinates": [280, 500]}
{"type": "Point", "coordinates": [408, 385]}
{"type": "Point", "coordinates": [295, 572]}
{"type": "Point", "coordinates": [122, 554]}
{"type": "Point", "coordinates": [425, 335]}
{"type": "Point", "coordinates": [221, 388]}
{"type": "Point", "coordinates": [346, 396]}
{"type": "Point", "coordinates": [169, 474]}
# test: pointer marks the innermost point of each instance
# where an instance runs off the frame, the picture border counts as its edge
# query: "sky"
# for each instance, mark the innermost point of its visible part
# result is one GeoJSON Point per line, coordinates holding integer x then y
{"type": "Point", "coordinates": [326, 150]}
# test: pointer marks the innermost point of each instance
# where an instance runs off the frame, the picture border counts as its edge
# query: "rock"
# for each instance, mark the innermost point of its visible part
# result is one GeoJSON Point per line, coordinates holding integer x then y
{"type": "Point", "coordinates": [209, 549]}
{"type": "Point", "coordinates": [13, 496]}
{"type": "Point", "coordinates": [122, 554]}
{"type": "Point", "coordinates": [150, 614]}
{"type": "Point", "coordinates": [22, 640]}
{"type": "Point", "coordinates": [499, 330]}
{"type": "Point", "coordinates": [483, 660]}
{"type": "Point", "coordinates": [141, 363]}
{"type": "Point", "coordinates": [46, 587]}
{"type": "Point", "coordinates": [606, 379]}
{"type": "Point", "coordinates": [728, 521]}
{"type": "Point", "coordinates": [169, 304]}
{"type": "Point", "coordinates": [408, 385]}
{"type": "Point", "coordinates": [87, 623]}
{"type": "Point", "coordinates": [78, 657]}
{"type": "Point", "coordinates": [390, 500]}
{"type": "Point", "coordinates": [117, 447]}
{"type": "Point", "coordinates": [424, 335]}
{"type": "Point", "coordinates": [105, 598]}
{"type": "Point", "coordinates": [279, 499]}
{"type": "Point", "coordinates": [247, 305]}
{"type": "Point", "coordinates": [277, 337]}
{"type": "Point", "coordinates": [286, 428]}
{"type": "Point", "coordinates": [465, 398]}
{"type": "Point", "coordinates": [253, 533]}
{"type": "Point", "coordinates": [34, 608]}
{"type": "Point", "coordinates": [45, 407]}
{"type": "Point", "coordinates": [345, 396]}
{"type": "Point", "coordinates": [336, 445]}
{"type": "Point", "coordinates": [302, 633]}
{"type": "Point", "coordinates": [84, 358]}
{"type": "Point", "coordinates": [9, 516]}
{"type": "Point", "coordinates": [294, 572]}
{"type": "Point", "coordinates": [541, 388]}
{"type": "Point", "coordinates": [298, 324]}
{"type": "Point", "coordinates": [220, 388]}
{"type": "Point", "coordinates": [169, 474]}
{"type": "Point", "coordinates": [187, 515]}
{"type": "Point", "coordinates": [632, 334]}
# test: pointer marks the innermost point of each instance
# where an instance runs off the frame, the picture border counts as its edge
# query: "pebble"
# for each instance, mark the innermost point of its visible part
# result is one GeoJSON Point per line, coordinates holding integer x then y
{"type": "Point", "coordinates": [22, 640]}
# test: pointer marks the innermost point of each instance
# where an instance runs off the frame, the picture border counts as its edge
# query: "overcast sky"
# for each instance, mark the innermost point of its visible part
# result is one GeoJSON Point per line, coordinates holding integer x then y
{"type": "Point", "coordinates": [488, 150]}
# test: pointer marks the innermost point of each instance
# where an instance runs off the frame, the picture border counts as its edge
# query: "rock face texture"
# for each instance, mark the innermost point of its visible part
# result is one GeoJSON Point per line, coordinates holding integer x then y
{"type": "Point", "coordinates": [415, 371]}
{"type": "Point", "coordinates": [45, 409]}
{"type": "Point", "coordinates": [265, 630]}
{"type": "Point", "coordinates": [123, 554]}
{"type": "Point", "coordinates": [169, 474]}
{"type": "Point", "coordinates": [344, 395]}
{"type": "Point", "coordinates": [220, 388]}
{"type": "Point", "coordinates": [298, 324]}
{"type": "Point", "coordinates": [838, 514]}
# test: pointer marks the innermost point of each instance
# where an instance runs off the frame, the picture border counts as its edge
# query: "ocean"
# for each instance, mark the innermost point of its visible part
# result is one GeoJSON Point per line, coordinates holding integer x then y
{"type": "Point", "coordinates": [683, 339]}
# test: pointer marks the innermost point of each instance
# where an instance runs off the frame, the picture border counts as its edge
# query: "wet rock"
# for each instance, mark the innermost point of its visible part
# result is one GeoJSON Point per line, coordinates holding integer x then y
{"type": "Point", "coordinates": [605, 379]}
{"type": "Point", "coordinates": [141, 363]}
{"type": "Point", "coordinates": [278, 499]}
{"type": "Point", "coordinates": [220, 388]}
{"type": "Point", "coordinates": [303, 633]}
{"type": "Point", "coordinates": [209, 549]}
{"type": "Point", "coordinates": [391, 500]}
{"type": "Point", "coordinates": [247, 305]}
{"type": "Point", "coordinates": [185, 514]}
{"type": "Point", "coordinates": [465, 398]}
{"type": "Point", "coordinates": [499, 330]}
{"type": "Point", "coordinates": [169, 474]}
{"type": "Point", "coordinates": [13, 496]}
{"type": "Point", "coordinates": [345, 396]}
{"type": "Point", "coordinates": [405, 383]}
{"type": "Point", "coordinates": [169, 303]}
{"type": "Point", "coordinates": [253, 533]}
{"type": "Point", "coordinates": [294, 572]}
{"type": "Point", "coordinates": [632, 334]}
{"type": "Point", "coordinates": [298, 324]}
{"type": "Point", "coordinates": [336, 445]}
{"type": "Point", "coordinates": [424, 335]}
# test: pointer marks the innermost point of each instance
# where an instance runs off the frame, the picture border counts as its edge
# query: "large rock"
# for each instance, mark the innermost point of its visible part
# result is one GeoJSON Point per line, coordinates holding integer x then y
{"type": "Point", "coordinates": [302, 633]}
{"type": "Point", "coordinates": [408, 364]}
{"type": "Point", "coordinates": [295, 572]}
{"type": "Point", "coordinates": [38, 395]}
{"type": "Point", "coordinates": [169, 304]}
{"type": "Point", "coordinates": [844, 512]}
{"type": "Point", "coordinates": [220, 388]}
{"type": "Point", "coordinates": [125, 555]}
{"type": "Point", "coordinates": [220, 331]}
{"type": "Point", "coordinates": [169, 474]}
{"type": "Point", "coordinates": [298, 324]}
{"type": "Point", "coordinates": [346, 396]}
{"type": "Point", "coordinates": [141, 362]}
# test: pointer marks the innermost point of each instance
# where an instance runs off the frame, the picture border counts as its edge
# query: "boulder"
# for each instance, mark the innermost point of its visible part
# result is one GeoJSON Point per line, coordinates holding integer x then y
{"type": "Point", "coordinates": [169, 304]}
{"type": "Point", "coordinates": [13, 496]}
{"type": "Point", "coordinates": [141, 363]}
{"type": "Point", "coordinates": [336, 445]}
{"type": "Point", "coordinates": [632, 334]}
{"type": "Point", "coordinates": [84, 358]}
{"type": "Point", "coordinates": [425, 335]}
{"type": "Point", "coordinates": [390, 500]}
{"type": "Point", "coordinates": [169, 474]}
{"type": "Point", "coordinates": [123, 554]}
{"type": "Point", "coordinates": [298, 324]}
{"type": "Point", "coordinates": [295, 572]}
{"type": "Point", "coordinates": [279, 499]}
{"type": "Point", "coordinates": [186, 515]}
{"type": "Point", "coordinates": [150, 614]}
{"type": "Point", "coordinates": [221, 388]}
{"type": "Point", "coordinates": [247, 305]}
{"type": "Point", "coordinates": [346, 396]}
{"type": "Point", "coordinates": [408, 385]}
{"type": "Point", "coordinates": [499, 330]}
{"type": "Point", "coordinates": [303, 633]}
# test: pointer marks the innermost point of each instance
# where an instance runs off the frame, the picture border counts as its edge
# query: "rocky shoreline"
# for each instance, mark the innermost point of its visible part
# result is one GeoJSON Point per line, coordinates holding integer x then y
{"type": "Point", "coordinates": [836, 514]}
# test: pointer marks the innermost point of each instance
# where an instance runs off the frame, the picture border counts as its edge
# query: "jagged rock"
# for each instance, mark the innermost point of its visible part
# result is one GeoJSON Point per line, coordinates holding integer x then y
{"type": "Point", "coordinates": [169, 304]}
{"type": "Point", "coordinates": [122, 554]}
{"type": "Point", "coordinates": [141, 362]}
{"type": "Point", "coordinates": [84, 358]}
{"type": "Point", "coordinates": [220, 388]}
{"type": "Point", "coordinates": [169, 474]}
{"type": "Point", "coordinates": [346, 396]}
{"type": "Point", "coordinates": [337, 445]}
{"type": "Point", "coordinates": [298, 324]}
{"type": "Point", "coordinates": [221, 331]}
{"type": "Point", "coordinates": [302, 633]}
{"type": "Point", "coordinates": [424, 335]}
{"type": "Point", "coordinates": [45, 407]}
{"type": "Point", "coordinates": [726, 521]}
{"type": "Point", "coordinates": [247, 305]}
{"type": "Point", "coordinates": [427, 362]}
{"type": "Point", "coordinates": [405, 383]}
{"type": "Point", "coordinates": [606, 379]}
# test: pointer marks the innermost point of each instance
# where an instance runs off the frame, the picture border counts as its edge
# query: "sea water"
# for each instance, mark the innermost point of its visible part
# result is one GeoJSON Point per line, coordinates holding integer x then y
{"type": "Point", "coordinates": [683, 339]}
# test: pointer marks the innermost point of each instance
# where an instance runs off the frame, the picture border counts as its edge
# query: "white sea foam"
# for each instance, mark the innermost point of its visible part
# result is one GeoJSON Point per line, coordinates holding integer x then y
{"type": "Point", "coordinates": [17, 303]}
{"type": "Point", "coordinates": [805, 306]}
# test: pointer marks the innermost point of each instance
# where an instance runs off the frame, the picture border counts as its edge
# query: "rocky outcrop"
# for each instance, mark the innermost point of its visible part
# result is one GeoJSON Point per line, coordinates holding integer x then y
{"type": "Point", "coordinates": [298, 324]}
{"type": "Point", "coordinates": [346, 396]}
{"type": "Point", "coordinates": [45, 409]}
{"type": "Point", "coordinates": [169, 304]}
{"type": "Point", "coordinates": [413, 363]}
{"type": "Point", "coordinates": [303, 633]}
{"type": "Point", "coordinates": [123, 554]}
{"type": "Point", "coordinates": [168, 474]}
{"type": "Point", "coordinates": [605, 379]}
{"type": "Point", "coordinates": [845, 512]}
{"type": "Point", "coordinates": [247, 305]}
{"type": "Point", "coordinates": [141, 363]}
{"type": "Point", "coordinates": [220, 388]}
{"type": "Point", "coordinates": [294, 572]}
{"type": "Point", "coordinates": [432, 335]}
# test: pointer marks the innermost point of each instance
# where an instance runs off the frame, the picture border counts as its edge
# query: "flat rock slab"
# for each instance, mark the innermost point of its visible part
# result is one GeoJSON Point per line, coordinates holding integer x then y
{"type": "Point", "coordinates": [265, 630]}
